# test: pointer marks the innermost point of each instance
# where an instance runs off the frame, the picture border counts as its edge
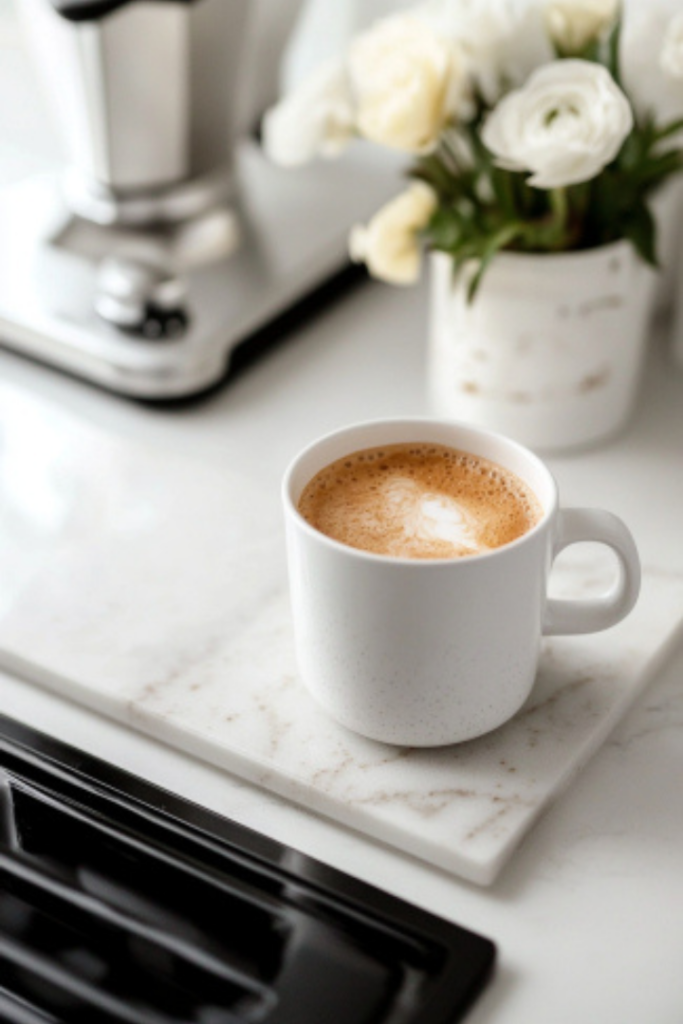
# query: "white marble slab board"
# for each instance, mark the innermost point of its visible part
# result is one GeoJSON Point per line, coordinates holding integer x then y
{"type": "Point", "coordinates": [170, 613]}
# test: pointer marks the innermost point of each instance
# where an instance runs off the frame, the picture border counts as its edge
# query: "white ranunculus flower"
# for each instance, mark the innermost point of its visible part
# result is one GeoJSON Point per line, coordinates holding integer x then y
{"type": "Point", "coordinates": [316, 119]}
{"type": "Point", "coordinates": [649, 86]}
{"type": "Point", "coordinates": [671, 59]}
{"type": "Point", "coordinates": [573, 24]}
{"type": "Point", "coordinates": [566, 124]}
{"type": "Point", "coordinates": [503, 41]}
{"type": "Point", "coordinates": [407, 83]}
{"type": "Point", "coordinates": [388, 245]}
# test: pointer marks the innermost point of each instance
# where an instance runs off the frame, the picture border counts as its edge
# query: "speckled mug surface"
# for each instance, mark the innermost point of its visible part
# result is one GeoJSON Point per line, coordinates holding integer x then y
{"type": "Point", "coordinates": [430, 652]}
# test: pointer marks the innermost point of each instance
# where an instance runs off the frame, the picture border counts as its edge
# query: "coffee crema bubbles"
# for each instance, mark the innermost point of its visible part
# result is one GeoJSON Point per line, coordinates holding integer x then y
{"type": "Point", "coordinates": [419, 500]}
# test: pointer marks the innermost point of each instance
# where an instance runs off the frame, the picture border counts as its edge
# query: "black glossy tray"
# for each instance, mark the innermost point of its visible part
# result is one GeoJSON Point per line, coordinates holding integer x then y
{"type": "Point", "coordinates": [121, 902]}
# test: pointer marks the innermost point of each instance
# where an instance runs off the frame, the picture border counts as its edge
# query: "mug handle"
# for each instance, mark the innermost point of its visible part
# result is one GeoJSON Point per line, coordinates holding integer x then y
{"type": "Point", "coordinates": [563, 617]}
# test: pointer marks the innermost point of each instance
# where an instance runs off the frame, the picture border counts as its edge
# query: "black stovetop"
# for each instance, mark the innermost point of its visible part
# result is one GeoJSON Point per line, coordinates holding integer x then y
{"type": "Point", "coordinates": [120, 902]}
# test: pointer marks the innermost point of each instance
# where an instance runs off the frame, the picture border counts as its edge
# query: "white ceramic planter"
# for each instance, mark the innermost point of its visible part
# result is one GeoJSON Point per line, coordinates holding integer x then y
{"type": "Point", "coordinates": [550, 350]}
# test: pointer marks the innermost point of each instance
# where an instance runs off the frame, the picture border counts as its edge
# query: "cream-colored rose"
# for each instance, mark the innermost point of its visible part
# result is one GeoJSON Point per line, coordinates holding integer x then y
{"type": "Point", "coordinates": [566, 124]}
{"type": "Point", "coordinates": [573, 24]}
{"type": "Point", "coordinates": [388, 245]}
{"type": "Point", "coordinates": [317, 119]}
{"type": "Point", "coordinates": [407, 83]}
{"type": "Point", "coordinates": [671, 58]}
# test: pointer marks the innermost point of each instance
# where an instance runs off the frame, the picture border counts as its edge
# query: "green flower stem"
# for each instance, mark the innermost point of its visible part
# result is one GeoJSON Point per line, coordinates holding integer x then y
{"type": "Point", "coordinates": [559, 204]}
{"type": "Point", "coordinates": [503, 184]}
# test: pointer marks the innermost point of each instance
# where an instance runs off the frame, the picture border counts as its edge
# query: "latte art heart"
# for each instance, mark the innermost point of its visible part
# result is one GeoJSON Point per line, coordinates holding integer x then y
{"type": "Point", "coordinates": [419, 501]}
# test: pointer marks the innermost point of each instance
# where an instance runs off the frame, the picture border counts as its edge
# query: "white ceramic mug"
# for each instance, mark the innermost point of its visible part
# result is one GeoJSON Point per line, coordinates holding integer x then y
{"type": "Point", "coordinates": [430, 652]}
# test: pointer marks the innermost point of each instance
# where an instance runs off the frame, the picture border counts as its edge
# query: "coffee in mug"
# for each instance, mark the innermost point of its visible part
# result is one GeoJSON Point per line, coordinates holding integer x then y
{"type": "Point", "coordinates": [419, 500]}
{"type": "Point", "coordinates": [421, 623]}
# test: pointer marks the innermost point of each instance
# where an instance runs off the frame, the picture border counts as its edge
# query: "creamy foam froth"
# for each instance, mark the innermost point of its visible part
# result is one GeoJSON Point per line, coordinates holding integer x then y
{"type": "Point", "coordinates": [419, 501]}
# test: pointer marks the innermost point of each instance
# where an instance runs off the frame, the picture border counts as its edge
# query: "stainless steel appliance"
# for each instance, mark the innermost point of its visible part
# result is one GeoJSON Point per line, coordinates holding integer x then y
{"type": "Point", "coordinates": [168, 239]}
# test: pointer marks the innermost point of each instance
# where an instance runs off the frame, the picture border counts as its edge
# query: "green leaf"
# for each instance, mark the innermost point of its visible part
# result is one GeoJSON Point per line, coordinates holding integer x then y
{"type": "Point", "coordinates": [633, 150]}
{"type": "Point", "coordinates": [667, 130]}
{"type": "Point", "coordinates": [613, 52]}
{"type": "Point", "coordinates": [639, 228]}
{"type": "Point", "coordinates": [502, 238]}
{"type": "Point", "coordinates": [503, 188]}
{"type": "Point", "coordinates": [654, 170]}
{"type": "Point", "coordinates": [444, 230]}
{"type": "Point", "coordinates": [430, 170]}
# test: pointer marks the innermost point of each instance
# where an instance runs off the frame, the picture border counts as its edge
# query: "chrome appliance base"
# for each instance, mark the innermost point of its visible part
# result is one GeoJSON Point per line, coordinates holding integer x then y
{"type": "Point", "coordinates": [239, 269]}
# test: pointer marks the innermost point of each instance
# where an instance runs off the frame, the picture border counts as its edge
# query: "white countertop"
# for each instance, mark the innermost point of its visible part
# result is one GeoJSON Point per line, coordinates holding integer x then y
{"type": "Point", "coordinates": [587, 915]}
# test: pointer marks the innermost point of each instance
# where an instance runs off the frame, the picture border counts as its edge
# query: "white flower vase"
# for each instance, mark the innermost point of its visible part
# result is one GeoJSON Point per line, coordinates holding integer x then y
{"type": "Point", "coordinates": [549, 351]}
